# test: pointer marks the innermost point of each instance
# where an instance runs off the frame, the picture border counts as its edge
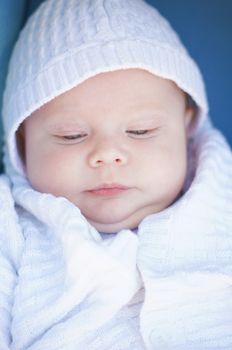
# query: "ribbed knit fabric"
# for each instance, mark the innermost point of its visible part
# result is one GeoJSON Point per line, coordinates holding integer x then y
{"type": "Point", "coordinates": [166, 285]}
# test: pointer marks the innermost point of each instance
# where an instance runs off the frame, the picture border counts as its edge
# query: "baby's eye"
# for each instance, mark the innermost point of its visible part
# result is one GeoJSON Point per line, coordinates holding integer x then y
{"type": "Point", "coordinates": [137, 132]}
{"type": "Point", "coordinates": [70, 139]}
{"type": "Point", "coordinates": [73, 137]}
{"type": "Point", "coordinates": [140, 133]}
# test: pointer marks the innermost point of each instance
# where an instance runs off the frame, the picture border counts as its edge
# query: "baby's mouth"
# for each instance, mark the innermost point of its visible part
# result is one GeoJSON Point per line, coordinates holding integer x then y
{"type": "Point", "coordinates": [108, 189]}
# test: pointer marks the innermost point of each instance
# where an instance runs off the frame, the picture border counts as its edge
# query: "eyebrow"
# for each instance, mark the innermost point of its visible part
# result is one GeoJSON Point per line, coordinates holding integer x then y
{"type": "Point", "coordinates": [65, 125]}
{"type": "Point", "coordinates": [149, 116]}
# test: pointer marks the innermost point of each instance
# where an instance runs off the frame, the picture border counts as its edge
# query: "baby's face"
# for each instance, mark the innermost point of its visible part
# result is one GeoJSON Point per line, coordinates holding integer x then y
{"type": "Point", "coordinates": [125, 130]}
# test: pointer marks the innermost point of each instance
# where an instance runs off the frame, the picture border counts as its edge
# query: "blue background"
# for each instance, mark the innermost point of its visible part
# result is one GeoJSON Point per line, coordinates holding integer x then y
{"type": "Point", "coordinates": [205, 27]}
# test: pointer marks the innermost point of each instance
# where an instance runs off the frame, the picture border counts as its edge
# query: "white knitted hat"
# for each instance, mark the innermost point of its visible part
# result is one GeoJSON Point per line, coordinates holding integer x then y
{"type": "Point", "coordinates": [67, 41]}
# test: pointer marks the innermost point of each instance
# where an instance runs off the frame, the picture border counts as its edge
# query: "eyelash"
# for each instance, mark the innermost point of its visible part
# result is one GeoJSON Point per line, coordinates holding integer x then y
{"type": "Point", "coordinates": [72, 138]}
{"type": "Point", "coordinates": [138, 132]}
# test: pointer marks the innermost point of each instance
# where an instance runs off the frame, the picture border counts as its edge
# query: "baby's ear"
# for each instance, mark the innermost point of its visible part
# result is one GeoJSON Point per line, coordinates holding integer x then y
{"type": "Point", "coordinates": [20, 139]}
{"type": "Point", "coordinates": [190, 113]}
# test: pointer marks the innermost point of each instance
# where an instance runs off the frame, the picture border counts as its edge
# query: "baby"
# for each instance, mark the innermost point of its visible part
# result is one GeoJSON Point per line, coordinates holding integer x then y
{"type": "Point", "coordinates": [116, 214]}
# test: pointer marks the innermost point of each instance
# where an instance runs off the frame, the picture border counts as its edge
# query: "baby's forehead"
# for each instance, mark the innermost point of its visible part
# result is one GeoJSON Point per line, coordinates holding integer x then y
{"type": "Point", "coordinates": [129, 94]}
{"type": "Point", "coordinates": [124, 86]}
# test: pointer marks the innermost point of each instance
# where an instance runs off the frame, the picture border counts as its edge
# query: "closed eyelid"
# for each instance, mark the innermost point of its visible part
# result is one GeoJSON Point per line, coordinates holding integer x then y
{"type": "Point", "coordinates": [70, 133]}
{"type": "Point", "coordinates": [143, 126]}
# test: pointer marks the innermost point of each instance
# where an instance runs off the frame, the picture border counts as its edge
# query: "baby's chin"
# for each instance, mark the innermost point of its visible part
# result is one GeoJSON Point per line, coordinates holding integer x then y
{"type": "Point", "coordinates": [114, 225]}
{"type": "Point", "coordinates": [114, 216]}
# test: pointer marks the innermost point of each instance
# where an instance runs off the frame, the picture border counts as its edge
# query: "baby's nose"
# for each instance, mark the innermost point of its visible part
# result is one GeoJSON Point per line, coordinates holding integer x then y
{"type": "Point", "coordinates": [106, 154]}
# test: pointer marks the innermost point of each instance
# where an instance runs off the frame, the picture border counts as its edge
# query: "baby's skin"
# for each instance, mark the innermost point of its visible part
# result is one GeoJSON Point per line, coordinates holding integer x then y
{"type": "Point", "coordinates": [115, 146]}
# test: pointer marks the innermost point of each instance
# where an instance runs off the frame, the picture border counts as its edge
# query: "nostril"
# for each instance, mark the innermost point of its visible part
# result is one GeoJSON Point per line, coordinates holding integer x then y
{"type": "Point", "coordinates": [100, 161]}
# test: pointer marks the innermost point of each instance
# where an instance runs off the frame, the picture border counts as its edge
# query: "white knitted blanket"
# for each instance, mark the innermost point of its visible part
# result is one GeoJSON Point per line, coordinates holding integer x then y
{"type": "Point", "coordinates": [61, 282]}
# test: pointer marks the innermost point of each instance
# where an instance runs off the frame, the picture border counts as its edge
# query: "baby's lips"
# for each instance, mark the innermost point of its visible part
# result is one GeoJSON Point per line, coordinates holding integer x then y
{"type": "Point", "coordinates": [111, 186]}
{"type": "Point", "coordinates": [108, 189]}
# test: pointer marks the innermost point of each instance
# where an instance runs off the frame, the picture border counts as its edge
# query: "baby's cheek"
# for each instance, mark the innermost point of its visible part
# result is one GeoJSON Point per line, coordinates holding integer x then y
{"type": "Point", "coordinates": [46, 171]}
{"type": "Point", "coordinates": [168, 170]}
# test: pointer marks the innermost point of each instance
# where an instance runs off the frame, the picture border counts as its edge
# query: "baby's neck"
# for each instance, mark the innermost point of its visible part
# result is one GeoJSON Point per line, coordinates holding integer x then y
{"type": "Point", "coordinates": [105, 235]}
